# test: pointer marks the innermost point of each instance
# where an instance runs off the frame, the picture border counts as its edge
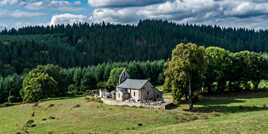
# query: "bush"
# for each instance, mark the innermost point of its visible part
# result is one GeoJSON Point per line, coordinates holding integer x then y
{"type": "Point", "coordinates": [93, 99]}
{"type": "Point", "coordinates": [73, 90]}
{"type": "Point", "coordinates": [102, 84]}
{"type": "Point", "coordinates": [90, 92]}
{"type": "Point", "coordinates": [12, 99]}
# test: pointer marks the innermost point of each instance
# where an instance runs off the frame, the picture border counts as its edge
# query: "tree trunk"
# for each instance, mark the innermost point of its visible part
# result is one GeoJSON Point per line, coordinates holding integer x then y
{"type": "Point", "coordinates": [190, 96]}
{"type": "Point", "coordinates": [256, 84]}
{"type": "Point", "coordinates": [221, 86]}
{"type": "Point", "coordinates": [209, 88]}
{"type": "Point", "coordinates": [186, 97]}
{"type": "Point", "coordinates": [231, 86]}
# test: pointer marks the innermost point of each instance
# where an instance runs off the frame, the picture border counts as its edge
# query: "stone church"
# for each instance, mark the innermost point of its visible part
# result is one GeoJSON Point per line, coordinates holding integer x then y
{"type": "Point", "coordinates": [136, 90]}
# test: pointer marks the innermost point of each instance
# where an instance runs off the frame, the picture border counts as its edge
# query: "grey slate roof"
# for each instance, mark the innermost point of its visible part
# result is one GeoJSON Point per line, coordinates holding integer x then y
{"type": "Point", "coordinates": [133, 84]}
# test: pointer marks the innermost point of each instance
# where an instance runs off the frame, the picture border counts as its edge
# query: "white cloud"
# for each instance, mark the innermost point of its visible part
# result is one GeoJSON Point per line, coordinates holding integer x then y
{"type": "Point", "coordinates": [126, 15]}
{"type": "Point", "coordinates": [213, 12]}
{"type": "Point", "coordinates": [221, 12]}
{"type": "Point", "coordinates": [77, 2]}
{"type": "Point", "coordinates": [62, 5]}
{"type": "Point", "coordinates": [23, 14]}
{"type": "Point", "coordinates": [245, 8]}
{"type": "Point", "coordinates": [8, 2]}
{"type": "Point", "coordinates": [173, 10]}
{"type": "Point", "coordinates": [19, 14]}
{"type": "Point", "coordinates": [68, 19]}
{"type": "Point", "coordinates": [122, 3]}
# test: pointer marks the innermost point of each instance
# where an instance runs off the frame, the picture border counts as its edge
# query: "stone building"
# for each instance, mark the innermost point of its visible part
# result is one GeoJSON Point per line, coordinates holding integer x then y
{"type": "Point", "coordinates": [136, 90]}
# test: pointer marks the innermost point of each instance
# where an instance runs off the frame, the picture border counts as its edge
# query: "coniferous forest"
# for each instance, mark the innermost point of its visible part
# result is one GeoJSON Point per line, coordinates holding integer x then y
{"type": "Point", "coordinates": [91, 44]}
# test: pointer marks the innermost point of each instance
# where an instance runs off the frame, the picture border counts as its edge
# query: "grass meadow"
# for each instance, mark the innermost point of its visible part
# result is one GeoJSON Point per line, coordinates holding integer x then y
{"type": "Point", "coordinates": [245, 114]}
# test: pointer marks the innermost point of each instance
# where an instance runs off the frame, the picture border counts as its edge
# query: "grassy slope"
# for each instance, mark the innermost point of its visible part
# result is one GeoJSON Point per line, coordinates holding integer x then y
{"type": "Point", "coordinates": [238, 116]}
{"type": "Point", "coordinates": [243, 115]}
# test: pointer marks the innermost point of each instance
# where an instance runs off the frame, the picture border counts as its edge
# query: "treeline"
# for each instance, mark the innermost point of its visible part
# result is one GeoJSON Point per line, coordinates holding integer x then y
{"type": "Point", "coordinates": [54, 81]}
{"type": "Point", "coordinates": [195, 69]}
{"type": "Point", "coordinates": [226, 71]}
{"type": "Point", "coordinates": [92, 44]}
{"type": "Point", "coordinates": [10, 87]}
{"type": "Point", "coordinates": [222, 70]}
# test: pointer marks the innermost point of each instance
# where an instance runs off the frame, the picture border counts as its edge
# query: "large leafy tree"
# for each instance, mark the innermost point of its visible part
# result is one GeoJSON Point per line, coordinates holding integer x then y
{"type": "Point", "coordinates": [186, 70]}
{"type": "Point", "coordinates": [252, 67]}
{"type": "Point", "coordinates": [37, 86]}
{"type": "Point", "coordinates": [44, 81]}
{"type": "Point", "coordinates": [220, 61]}
{"type": "Point", "coordinates": [57, 74]}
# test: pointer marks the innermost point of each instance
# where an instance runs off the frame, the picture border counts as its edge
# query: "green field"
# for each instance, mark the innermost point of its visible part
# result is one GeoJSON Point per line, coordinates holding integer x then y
{"type": "Point", "coordinates": [244, 115]}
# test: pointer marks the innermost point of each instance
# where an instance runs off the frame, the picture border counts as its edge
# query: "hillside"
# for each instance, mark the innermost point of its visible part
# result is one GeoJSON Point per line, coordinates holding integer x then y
{"type": "Point", "coordinates": [241, 115]}
{"type": "Point", "coordinates": [85, 44]}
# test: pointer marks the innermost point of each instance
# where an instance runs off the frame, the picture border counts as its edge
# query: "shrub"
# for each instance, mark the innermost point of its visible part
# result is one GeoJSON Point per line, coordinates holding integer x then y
{"type": "Point", "coordinates": [102, 84]}
{"type": "Point", "coordinates": [73, 90]}
{"type": "Point", "coordinates": [12, 99]}
{"type": "Point", "coordinates": [51, 117]}
{"type": "Point", "coordinates": [77, 106]}
{"type": "Point", "coordinates": [30, 123]}
{"type": "Point", "coordinates": [215, 114]}
{"type": "Point", "coordinates": [90, 92]}
{"type": "Point", "coordinates": [51, 105]}
{"type": "Point", "coordinates": [92, 99]}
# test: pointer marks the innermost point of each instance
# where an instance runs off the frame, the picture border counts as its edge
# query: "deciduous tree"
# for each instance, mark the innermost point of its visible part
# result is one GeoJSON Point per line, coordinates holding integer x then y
{"type": "Point", "coordinates": [186, 70]}
{"type": "Point", "coordinates": [220, 62]}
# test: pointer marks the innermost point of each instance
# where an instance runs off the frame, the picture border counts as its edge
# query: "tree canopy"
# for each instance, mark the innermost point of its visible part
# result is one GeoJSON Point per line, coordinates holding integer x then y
{"type": "Point", "coordinates": [186, 71]}
{"type": "Point", "coordinates": [42, 82]}
{"type": "Point", "coordinates": [114, 77]}
{"type": "Point", "coordinates": [220, 62]}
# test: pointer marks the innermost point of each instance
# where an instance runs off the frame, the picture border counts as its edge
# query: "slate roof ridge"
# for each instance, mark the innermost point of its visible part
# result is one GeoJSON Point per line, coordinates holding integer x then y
{"type": "Point", "coordinates": [133, 83]}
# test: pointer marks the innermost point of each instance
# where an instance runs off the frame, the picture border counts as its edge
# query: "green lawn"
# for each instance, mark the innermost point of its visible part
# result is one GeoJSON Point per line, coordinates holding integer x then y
{"type": "Point", "coordinates": [244, 115]}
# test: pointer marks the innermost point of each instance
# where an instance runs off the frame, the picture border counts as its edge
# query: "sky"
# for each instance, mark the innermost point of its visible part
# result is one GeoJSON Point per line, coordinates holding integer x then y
{"type": "Point", "coordinates": [251, 14]}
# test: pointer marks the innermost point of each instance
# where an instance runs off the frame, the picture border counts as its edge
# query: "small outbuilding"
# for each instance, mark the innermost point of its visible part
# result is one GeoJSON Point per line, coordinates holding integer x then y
{"type": "Point", "coordinates": [103, 93]}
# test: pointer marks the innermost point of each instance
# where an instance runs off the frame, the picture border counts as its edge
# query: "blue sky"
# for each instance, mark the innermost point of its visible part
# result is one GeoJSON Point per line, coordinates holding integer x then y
{"type": "Point", "coordinates": [227, 13]}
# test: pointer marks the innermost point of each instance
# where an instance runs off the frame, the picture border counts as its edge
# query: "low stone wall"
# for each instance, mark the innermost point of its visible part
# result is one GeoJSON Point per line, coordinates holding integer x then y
{"type": "Point", "coordinates": [132, 104]}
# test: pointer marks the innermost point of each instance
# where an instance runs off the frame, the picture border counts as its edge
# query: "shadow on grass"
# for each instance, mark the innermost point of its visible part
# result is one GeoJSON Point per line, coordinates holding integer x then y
{"type": "Point", "coordinates": [219, 102]}
{"type": "Point", "coordinates": [246, 94]}
{"type": "Point", "coordinates": [8, 104]}
{"type": "Point", "coordinates": [60, 98]}
{"type": "Point", "coordinates": [229, 109]}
